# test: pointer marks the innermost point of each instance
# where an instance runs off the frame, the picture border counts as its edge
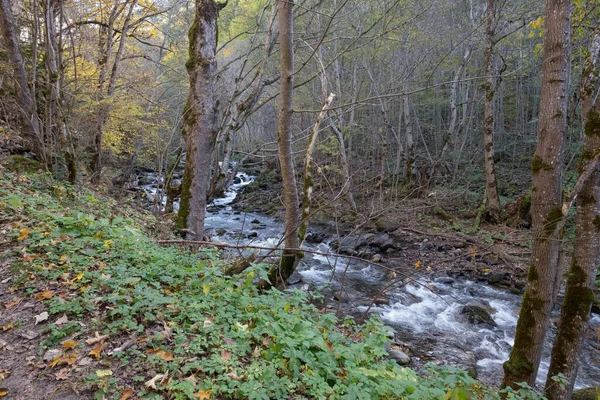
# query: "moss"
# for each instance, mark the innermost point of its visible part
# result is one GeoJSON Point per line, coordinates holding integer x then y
{"type": "Point", "coordinates": [597, 223]}
{"type": "Point", "coordinates": [532, 275]}
{"type": "Point", "coordinates": [192, 33]}
{"type": "Point", "coordinates": [555, 216]}
{"type": "Point", "coordinates": [22, 164]}
{"type": "Point", "coordinates": [592, 393]}
{"type": "Point", "coordinates": [592, 123]}
{"type": "Point", "coordinates": [538, 164]}
{"type": "Point", "coordinates": [518, 368]}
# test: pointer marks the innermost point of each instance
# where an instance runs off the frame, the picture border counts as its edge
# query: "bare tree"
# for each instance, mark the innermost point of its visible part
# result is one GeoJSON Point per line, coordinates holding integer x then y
{"type": "Point", "coordinates": [547, 168]}
{"type": "Point", "coordinates": [291, 256]}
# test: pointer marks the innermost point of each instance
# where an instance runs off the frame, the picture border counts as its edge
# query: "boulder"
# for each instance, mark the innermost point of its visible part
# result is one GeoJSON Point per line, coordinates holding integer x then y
{"type": "Point", "coordinates": [477, 315]}
{"type": "Point", "coordinates": [399, 356]}
{"type": "Point", "coordinates": [386, 225]}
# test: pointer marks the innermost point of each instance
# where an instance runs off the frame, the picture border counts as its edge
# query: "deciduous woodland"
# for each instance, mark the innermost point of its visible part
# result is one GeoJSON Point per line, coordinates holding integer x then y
{"type": "Point", "coordinates": [331, 199]}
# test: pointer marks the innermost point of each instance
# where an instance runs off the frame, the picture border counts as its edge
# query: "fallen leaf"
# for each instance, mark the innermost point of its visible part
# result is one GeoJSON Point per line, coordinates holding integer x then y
{"type": "Point", "coordinates": [152, 382]}
{"type": "Point", "coordinates": [233, 375]}
{"type": "Point", "coordinates": [208, 323]}
{"type": "Point", "coordinates": [4, 373]}
{"type": "Point", "coordinates": [69, 344]}
{"type": "Point", "coordinates": [417, 264]}
{"type": "Point", "coordinates": [125, 394]}
{"type": "Point", "coordinates": [62, 320]}
{"type": "Point", "coordinates": [98, 348]}
{"type": "Point", "coordinates": [164, 355]}
{"type": "Point", "coordinates": [101, 373]}
{"type": "Point", "coordinates": [41, 317]}
{"type": "Point", "coordinates": [30, 335]}
{"type": "Point", "coordinates": [13, 303]}
{"type": "Point", "coordinates": [202, 395]}
{"type": "Point", "coordinates": [7, 327]}
{"type": "Point", "coordinates": [62, 375]}
{"type": "Point", "coordinates": [85, 361]}
{"type": "Point", "coordinates": [23, 234]}
{"type": "Point", "coordinates": [206, 289]}
{"type": "Point", "coordinates": [45, 295]}
{"type": "Point", "coordinates": [68, 359]}
{"type": "Point", "coordinates": [226, 355]}
{"type": "Point", "coordinates": [77, 278]}
{"type": "Point", "coordinates": [3, 392]}
{"type": "Point", "coordinates": [96, 339]}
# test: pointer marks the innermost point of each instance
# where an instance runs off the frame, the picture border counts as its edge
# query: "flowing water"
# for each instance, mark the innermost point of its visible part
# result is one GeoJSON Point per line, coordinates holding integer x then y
{"type": "Point", "coordinates": [425, 312]}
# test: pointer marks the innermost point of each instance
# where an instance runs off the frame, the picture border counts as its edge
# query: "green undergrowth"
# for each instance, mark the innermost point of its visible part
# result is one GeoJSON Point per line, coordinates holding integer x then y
{"type": "Point", "coordinates": [186, 331]}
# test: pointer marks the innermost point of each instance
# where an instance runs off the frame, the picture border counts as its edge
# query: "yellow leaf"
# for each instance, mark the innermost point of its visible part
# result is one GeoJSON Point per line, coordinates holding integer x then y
{"type": "Point", "coordinates": [77, 278]}
{"type": "Point", "coordinates": [7, 327]}
{"type": "Point", "coordinates": [63, 257]}
{"type": "Point", "coordinates": [54, 362]}
{"type": "Point", "coordinates": [202, 395]}
{"type": "Point", "coordinates": [69, 344]}
{"type": "Point", "coordinates": [101, 373]}
{"type": "Point", "coordinates": [24, 233]}
{"type": "Point", "coordinates": [418, 264]}
{"type": "Point", "coordinates": [98, 348]}
{"type": "Point", "coordinates": [108, 243]}
{"type": "Point", "coordinates": [473, 251]}
{"type": "Point", "coordinates": [3, 392]}
{"type": "Point", "coordinates": [45, 295]}
{"type": "Point", "coordinates": [206, 289]}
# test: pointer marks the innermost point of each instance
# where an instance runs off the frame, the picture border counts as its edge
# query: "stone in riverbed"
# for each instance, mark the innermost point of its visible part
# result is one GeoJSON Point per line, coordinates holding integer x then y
{"type": "Point", "coordinates": [478, 315]}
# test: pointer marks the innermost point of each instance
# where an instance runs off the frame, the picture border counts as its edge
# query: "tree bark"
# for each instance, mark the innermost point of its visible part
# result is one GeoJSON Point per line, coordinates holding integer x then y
{"type": "Point", "coordinates": [494, 207]}
{"type": "Point", "coordinates": [547, 168]}
{"type": "Point", "coordinates": [309, 180]}
{"type": "Point", "coordinates": [579, 293]}
{"type": "Point", "coordinates": [200, 118]}
{"type": "Point", "coordinates": [24, 96]}
{"type": "Point", "coordinates": [291, 257]}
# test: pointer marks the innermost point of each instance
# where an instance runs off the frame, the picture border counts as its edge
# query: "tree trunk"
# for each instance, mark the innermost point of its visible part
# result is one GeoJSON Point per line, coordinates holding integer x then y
{"type": "Point", "coordinates": [200, 117]}
{"type": "Point", "coordinates": [292, 255]}
{"type": "Point", "coordinates": [494, 207]}
{"type": "Point", "coordinates": [345, 165]}
{"type": "Point", "coordinates": [24, 96]}
{"type": "Point", "coordinates": [547, 168]}
{"type": "Point", "coordinates": [104, 112]}
{"type": "Point", "coordinates": [586, 258]}
{"type": "Point", "coordinates": [309, 180]}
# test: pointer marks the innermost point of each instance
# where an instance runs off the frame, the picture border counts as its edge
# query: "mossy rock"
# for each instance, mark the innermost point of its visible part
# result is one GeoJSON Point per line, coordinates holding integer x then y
{"type": "Point", "coordinates": [22, 164]}
{"type": "Point", "coordinates": [592, 393]}
{"type": "Point", "coordinates": [384, 224]}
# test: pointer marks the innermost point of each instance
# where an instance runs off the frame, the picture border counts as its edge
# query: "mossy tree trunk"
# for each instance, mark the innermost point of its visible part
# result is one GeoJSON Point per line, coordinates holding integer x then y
{"type": "Point", "coordinates": [292, 255]}
{"type": "Point", "coordinates": [547, 168]}
{"type": "Point", "coordinates": [586, 258]}
{"type": "Point", "coordinates": [494, 207]}
{"type": "Point", "coordinates": [200, 118]}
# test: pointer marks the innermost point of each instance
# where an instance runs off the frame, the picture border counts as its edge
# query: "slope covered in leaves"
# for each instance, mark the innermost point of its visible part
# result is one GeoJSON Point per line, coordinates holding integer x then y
{"type": "Point", "coordinates": [126, 318]}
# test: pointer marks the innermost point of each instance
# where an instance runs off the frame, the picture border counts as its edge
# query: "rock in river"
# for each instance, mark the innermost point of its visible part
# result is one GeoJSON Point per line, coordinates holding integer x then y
{"type": "Point", "coordinates": [477, 315]}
